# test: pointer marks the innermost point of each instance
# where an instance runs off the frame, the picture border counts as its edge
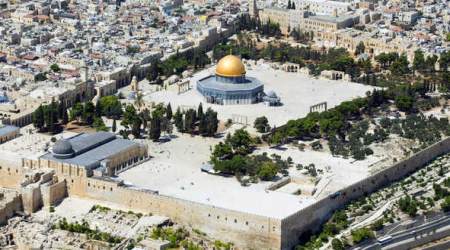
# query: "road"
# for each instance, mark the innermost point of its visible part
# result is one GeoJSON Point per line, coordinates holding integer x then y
{"type": "Point", "coordinates": [404, 239]}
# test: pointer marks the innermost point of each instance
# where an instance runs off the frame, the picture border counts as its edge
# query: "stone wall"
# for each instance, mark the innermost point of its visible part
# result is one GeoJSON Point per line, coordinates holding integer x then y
{"type": "Point", "coordinates": [10, 175]}
{"type": "Point", "coordinates": [10, 207]}
{"type": "Point", "coordinates": [313, 216]}
{"type": "Point", "coordinates": [245, 230]}
{"type": "Point", "coordinates": [53, 194]}
{"type": "Point", "coordinates": [31, 198]}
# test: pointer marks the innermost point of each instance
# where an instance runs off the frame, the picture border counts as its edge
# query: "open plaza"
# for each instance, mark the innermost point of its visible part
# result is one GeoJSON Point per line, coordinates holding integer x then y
{"type": "Point", "coordinates": [297, 92]}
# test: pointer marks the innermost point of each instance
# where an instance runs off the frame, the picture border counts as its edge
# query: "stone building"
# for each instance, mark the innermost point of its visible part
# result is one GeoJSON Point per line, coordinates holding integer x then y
{"type": "Point", "coordinates": [303, 20]}
{"type": "Point", "coordinates": [100, 154]}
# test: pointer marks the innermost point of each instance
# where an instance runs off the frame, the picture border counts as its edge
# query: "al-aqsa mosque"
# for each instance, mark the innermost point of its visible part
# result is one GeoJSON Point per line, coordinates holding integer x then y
{"type": "Point", "coordinates": [230, 85]}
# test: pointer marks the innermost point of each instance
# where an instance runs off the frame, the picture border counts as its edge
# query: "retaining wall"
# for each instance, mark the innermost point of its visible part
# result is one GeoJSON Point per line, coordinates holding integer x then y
{"type": "Point", "coordinates": [315, 215]}
{"type": "Point", "coordinates": [246, 230]}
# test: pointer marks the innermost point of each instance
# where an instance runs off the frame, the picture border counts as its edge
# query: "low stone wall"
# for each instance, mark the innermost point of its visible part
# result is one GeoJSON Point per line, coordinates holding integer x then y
{"type": "Point", "coordinates": [315, 215]}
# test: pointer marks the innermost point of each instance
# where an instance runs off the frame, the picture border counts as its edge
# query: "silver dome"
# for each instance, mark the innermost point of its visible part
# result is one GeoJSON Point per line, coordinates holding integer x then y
{"type": "Point", "coordinates": [62, 148]}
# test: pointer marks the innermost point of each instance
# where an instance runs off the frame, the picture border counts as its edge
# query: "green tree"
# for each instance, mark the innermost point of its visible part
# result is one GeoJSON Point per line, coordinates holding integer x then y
{"type": "Point", "coordinates": [400, 66]}
{"type": "Point", "coordinates": [155, 128]}
{"type": "Point", "coordinates": [178, 120]}
{"type": "Point", "coordinates": [55, 67]}
{"type": "Point", "coordinates": [261, 124]}
{"type": "Point", "coordinates": [65, 117]}
{"type": "Point", "coordinates": [408, 205]}
{"type": "Point", "coordinates": [267, 171]}
{"type": "Point", "coordinates": [404, 103]}
{"type": "Point", "coordinates": [200, 112]}
{"type": "Point", "coordinates": [114, 126]}
{"type": "Point", "coordinates": [98, 109]}
{"type": "Point", "coordinates": [132, 121]}
{"type": "Point", "coordinates": [212, 123]}
{"type": "Point", "coordinates": [241, 142]}
{"type": "Point", "coordinates": [99, 125]}
{"type": "Point", "coordinates": [360, 48]}
{"type": "Point", "coordinates": [222, 151]}
{"type": "Point", "coordinates": [169, 112]}
{"type": "Point", "coordinates": [419, 61]}
{"type": "Point", "coordinates": [190, 118]}
{"type": "Point", "coordinates": [445, 205]}
{"type": "Point", "coordinates": [38, 118]}
{"type": "Point", "coordinates": [166, 125]}
{"type": "Point", "coordinates": [362, 234]}
{"type": "Point", "coordinates": [111, 106]}
{"type": "Point", "coordinates": [336, 244]}
{"type": "Point", "coordinates": [88, 113]}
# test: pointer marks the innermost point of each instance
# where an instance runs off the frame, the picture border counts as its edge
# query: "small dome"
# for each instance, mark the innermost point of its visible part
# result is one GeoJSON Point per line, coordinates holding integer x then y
{"type": "Point", "coordinates": [271, 93]}
{"type": "Point", "coordinates": [230, 66]}
{"type": "Point", "coordinates": [62, 147]}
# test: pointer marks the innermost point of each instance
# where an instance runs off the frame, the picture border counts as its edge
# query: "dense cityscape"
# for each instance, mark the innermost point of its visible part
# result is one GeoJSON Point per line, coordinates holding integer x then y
{"type": "Point", "coordinates": [259, 124]}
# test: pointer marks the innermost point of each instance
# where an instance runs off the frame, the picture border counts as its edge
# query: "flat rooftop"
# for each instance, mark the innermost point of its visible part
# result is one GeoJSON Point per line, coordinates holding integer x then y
{"type": "Point", "coordinates": [6, 129]}
{"type": "Point", "coordinates": [28, 145]}
{"type": "Point", "coordinates": [90, 149]}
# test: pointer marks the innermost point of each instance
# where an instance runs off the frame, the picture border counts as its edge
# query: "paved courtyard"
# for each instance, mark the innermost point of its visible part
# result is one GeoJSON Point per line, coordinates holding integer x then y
{"type": "Point", "coordinates": [297, 92]}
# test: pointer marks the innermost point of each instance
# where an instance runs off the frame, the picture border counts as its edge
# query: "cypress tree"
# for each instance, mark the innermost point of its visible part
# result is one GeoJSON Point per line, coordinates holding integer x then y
{"type": "Point", "coordinates": [61, 109]}
{"type": "Point", "coordinates": [189, 121]}
{"type": "Point", "coordinates": [65, 117]}
{"type": "Point", "coordinates": [98, 109]}
{"type": "Point", "coordinates": [178, 119]}
{"type": "Point", "coordinates": [169, 112]}
{"type": "Point", "coordinates": [212, 123]}
{"type": "Point", "coordinates": [114, 126]}
{"type": "Point", "coordinates": [38, 118]}
{"type": "Point", "coordinates": [155, 128]}
{"type": "Point", "coordinates": [200, 112]}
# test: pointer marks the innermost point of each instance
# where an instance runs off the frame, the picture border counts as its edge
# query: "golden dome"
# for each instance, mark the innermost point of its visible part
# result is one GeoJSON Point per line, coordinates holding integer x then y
{"type": "Point", "coordinates": [230, 66]}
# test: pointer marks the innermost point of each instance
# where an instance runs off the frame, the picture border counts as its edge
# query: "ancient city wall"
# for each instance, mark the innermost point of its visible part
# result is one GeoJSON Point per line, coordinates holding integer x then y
{"type": "Point", "coordinates": [245, 230]}
{"type": "Point", "coordinates": [10, 175]}
{"type": "Point", "coordinates": [54, 193]}
{"type": "Point", "coordinates": [9, 208]}
{"type": "Point", "coordinates": [313, 216]}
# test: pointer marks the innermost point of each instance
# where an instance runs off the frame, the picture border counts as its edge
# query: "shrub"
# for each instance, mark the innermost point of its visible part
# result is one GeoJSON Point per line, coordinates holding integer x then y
{"type": "Point", "coordinates": [336, 244]}
{"type": "Point", "coordinates": [362, 234]}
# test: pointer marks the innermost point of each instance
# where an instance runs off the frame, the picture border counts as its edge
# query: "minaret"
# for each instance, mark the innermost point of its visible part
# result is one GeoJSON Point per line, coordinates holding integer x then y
{"type": "Point", "coordinates": [253, 8]}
